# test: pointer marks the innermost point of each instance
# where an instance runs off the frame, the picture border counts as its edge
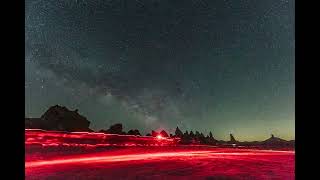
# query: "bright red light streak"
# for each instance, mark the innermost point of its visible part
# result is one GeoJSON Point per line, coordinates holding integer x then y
{"type": "Point", "coordinates": [115, 158]}
{"type": "Point", "coordinates": [149, 156]}
{"type": "Point", "coordinates": [56, 138]}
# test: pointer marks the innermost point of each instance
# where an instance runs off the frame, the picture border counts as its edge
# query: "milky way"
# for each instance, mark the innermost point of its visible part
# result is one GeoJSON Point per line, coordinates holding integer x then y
{"type": "Point", "coordinates": [224, 66]}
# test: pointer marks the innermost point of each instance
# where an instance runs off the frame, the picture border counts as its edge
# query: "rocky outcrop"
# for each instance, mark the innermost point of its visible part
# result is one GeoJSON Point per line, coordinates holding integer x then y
{"type": "Point", "coordinates": [232, 139]}
{"type": "Point", "coordinates": [154, 133]}
{"type": "Point", "coordinates": [210, 139]}
{"type": "Point", "coordinates": [178, 133]}
{"type": "Point", "coordinates": [163, 133]}
{"type": "Point", "coordinates": [33, 123]}
{"type": "Point", "coordinates": [134, 132]}
{"type": "Point", "coordinates": [59, 118]}
{"type": "Point", "coordinates": [114, 129]}
{"type": "Point", "coordinates": [275, 141]}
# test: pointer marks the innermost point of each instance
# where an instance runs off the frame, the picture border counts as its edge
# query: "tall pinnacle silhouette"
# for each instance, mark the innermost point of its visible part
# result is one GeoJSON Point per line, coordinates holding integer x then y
{"type": "Point", "coordinates": [232, 139]}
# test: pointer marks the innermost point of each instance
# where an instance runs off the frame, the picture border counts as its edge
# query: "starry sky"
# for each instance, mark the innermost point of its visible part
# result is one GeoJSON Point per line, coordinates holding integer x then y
{"type": "Point", "coordinates": [223, 66]}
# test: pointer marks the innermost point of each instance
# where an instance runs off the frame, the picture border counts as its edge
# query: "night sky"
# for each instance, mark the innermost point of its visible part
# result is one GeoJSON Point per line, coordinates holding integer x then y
{"type": "Point", "coordinates": [224, 66]}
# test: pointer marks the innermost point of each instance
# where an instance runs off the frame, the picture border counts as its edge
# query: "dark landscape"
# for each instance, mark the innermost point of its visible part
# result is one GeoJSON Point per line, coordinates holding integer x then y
{"type": "Point", "coordinates": [69, 149]}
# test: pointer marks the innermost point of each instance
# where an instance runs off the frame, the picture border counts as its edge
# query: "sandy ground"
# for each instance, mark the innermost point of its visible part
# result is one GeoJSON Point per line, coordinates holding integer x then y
{"type": "Point", "coordinates": [159, 163]}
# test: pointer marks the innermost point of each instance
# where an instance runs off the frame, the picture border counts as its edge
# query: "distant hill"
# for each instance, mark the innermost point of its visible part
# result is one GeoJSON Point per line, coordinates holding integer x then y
{"type": "Point", "coordinates": [270, 142]}
{"type": "Point", "coordinates": [275, 141]}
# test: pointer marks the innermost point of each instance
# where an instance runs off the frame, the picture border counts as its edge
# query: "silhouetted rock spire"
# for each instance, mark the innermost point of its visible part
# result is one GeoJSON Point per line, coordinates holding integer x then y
{"type": "Point", "coordinates": [186, 133]}
{"type": "Point", "coordinates": [191, 134]}
{"type": "Point", "coordinates": [232, 139]}
{"type": "Point", "coordinates": [178, 133]}
{"type": "Point", "coordinates": [210, 135]}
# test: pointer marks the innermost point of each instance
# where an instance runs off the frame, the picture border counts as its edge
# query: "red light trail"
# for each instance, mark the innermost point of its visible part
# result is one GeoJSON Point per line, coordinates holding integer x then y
{"type": "Point", "coordinates": [64, 155]}
{"type": "Point", "coordinates": [220, 162]}
{"type": "Point", "coordinates": [150, 156]}
{"type": "Point", "coordinates": [116, 158]}
{"type": "Point", "coordinates": [59, 138]}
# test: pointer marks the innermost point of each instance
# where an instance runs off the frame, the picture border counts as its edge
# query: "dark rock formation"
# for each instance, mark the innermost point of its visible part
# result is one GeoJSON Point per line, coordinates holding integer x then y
{"type": "Point", "coordinates": [197, 135]}
{"type": "Point", "coordinates": [59, 118]}
{"type": "Point", "coordinates": [178, 133]}
{"type": "Point", "coordinates": [134, 132]}
{"type": "Point", "coordinates": [275, 141]}
{"type": "Point", "coordinates": [33, 123]}
{"type": "Point", "coordinates": [192, 134]}
{"type": "Point", "coordinates": [210, 135]}
{"type": "Point", "coordinates": [154, 133]}
{"type": "Point", "coordinates": [163, 133]}
{"type": "Point", "coordinates": [210, 139]}
{"type": "Point", "coordinates": [114, 129]}
{"type": "Point", "coordinates": [232, 140]}
{"type": "Point", "coordinates": [202, 138]}
{"type": "Point", "coordinates": [186, 134]}
{"type": "Point", "coordinates": [186, 139]}
{"type": "Point", "coordinates": [103, 131]}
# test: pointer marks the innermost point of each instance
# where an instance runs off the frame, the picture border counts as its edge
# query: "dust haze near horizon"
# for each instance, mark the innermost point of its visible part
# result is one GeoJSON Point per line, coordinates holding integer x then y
{"type": "Point", "coordinates": [225, 66]}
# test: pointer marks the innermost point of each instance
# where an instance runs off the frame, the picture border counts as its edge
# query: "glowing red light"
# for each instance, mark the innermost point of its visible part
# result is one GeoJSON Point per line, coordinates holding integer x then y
{"type": "Point", "coordinates": [114, 158]}
{"type": "Point", "coordinates": [56, 138]}
{"type": "Point", "coordinates": [159, 137]}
